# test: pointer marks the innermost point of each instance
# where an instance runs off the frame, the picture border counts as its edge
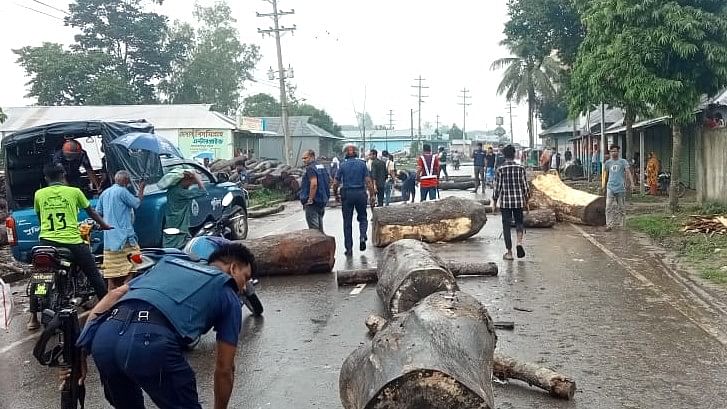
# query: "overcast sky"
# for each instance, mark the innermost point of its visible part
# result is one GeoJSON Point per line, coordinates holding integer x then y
{"type": "Point", "coordinates": [343, 52]}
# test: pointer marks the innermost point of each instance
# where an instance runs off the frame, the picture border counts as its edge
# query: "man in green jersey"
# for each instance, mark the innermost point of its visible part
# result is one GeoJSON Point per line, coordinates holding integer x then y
{"type": "Point", "coordinates": [57, 207]}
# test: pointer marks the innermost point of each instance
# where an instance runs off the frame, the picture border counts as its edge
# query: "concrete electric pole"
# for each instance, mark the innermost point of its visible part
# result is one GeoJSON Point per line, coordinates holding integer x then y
{"type": "Point", "coordinates": [276, 30]}
{"type": "Point", "coordinates": [509, 110]}
{"type": "Point", "coordinates": [464, 104]}
{"type": "Point", "coordinates": [390, 128]}
{"type": "Point", "coordinates": [420, 99]}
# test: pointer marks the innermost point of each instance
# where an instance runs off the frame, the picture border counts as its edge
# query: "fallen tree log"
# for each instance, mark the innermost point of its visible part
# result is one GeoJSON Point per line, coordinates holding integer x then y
{"type": "Point", "coordinates": [253, 214]}
{"type": "Point", "coordinates": [461, 178]}
{"type": "Point", "coordinates": [505, 367]}
{"type": "Point", "coordinates": [576, 206]}
{"type": "Point", "coordinates": [370, 275]}
{"type": "Point", "coordinates": [408, 271]}
{"type": "Point", "coordinates": [449, 219]}
{"type": "Point", "coordinates": [557, 385]}
{"type": "Point", "coordinates": [453, 185]}
{"type": "Point", "coordinates": [539, 218]}
{"type": "Point", "coordinates": [293, 253]}
{"type": "Point", "coordinates": [333, 203]}
{"type": "Point", "coordinates": [436, 355]}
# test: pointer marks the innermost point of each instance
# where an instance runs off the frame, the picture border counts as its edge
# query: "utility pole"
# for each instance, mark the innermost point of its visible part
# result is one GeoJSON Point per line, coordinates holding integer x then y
{"type": "Point", "coordinates": [437, 128]}
{"type": "Point", "coordinates": [412, 126]}
{"type": "Point", "coordinates": [509, 110]}
{"type": "Point", "coordinates": [276, 30]}
{"type": "Point", "coordinates": [390, 128]}
{"type": "Point", "coordinates": [420, 99]}
{"type": "Point", "coordinates": [464, 104]}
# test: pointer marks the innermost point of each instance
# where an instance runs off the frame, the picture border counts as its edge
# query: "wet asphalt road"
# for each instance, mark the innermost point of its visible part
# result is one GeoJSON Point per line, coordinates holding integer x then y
{"type": "Point", "coordinates": [631, 335]}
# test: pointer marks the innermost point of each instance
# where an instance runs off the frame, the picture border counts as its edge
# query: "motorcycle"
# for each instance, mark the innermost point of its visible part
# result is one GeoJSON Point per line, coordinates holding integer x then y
{"type": "Point", "coordinates": [56, 280]}
{"type": "Point", "coordinates": [223, 226]}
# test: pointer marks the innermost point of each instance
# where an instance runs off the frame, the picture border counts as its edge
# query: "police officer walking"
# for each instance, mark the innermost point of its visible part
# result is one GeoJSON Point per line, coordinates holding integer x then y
{"type": "Point", "coordinates": [137, 333]}
{"type": "Point", "coordinates": [353, 178]}
{"type": "Point", "coordinates": [314, 190]}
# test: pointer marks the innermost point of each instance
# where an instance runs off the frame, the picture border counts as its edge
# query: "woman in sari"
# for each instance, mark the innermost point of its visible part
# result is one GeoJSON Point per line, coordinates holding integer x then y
{"type": "Point", "coordinates": [652, 173]}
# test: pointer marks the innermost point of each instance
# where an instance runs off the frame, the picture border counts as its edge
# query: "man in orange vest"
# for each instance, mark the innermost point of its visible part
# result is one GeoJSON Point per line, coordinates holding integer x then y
{"type": "Point", "coordinates": [427, 171]}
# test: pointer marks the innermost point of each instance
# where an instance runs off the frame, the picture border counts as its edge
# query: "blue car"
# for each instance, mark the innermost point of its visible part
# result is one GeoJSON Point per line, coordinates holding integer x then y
{"type": "Point", "coordinates": [27, 151]}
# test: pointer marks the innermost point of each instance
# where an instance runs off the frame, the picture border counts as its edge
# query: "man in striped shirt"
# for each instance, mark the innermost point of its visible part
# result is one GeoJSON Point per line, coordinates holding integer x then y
{"type": "Point", "coordinates": [512, 192]}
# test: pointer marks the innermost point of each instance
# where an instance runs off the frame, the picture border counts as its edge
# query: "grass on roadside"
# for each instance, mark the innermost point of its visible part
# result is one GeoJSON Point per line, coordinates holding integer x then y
{"type": "Point", "coordinates": [706, 254]}
{"type": "Point", "coordinates": [264, 197]}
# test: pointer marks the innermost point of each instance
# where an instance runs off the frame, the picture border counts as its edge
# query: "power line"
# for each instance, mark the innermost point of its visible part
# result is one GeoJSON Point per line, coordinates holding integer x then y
{"type": "Point", "coordinates": [51, 7]}
{"type": "Point", "coordinates": [38, 11]}
{"type": "Point", "coordinates": [464, 104]}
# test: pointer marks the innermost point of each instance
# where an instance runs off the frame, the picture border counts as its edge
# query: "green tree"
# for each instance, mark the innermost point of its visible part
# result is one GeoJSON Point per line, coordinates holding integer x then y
{"type": "Point", "coordinates": [219, 63]}
{"type": "Point", "coordinates": [120, 55]}
{"type": "Point", "coordinates": [318, 117]}
{"type": "Point", "coordinates": [454, 132]}
{"type": "Point", "coordinates": [3, 116]}
{"type": "Point", "coordinates": [364, 120]}
{"type": "Point", "coordinates": [260, 105]}
{"type": "Point", "coordinates": [528, 78]}
{"type": "Point", "coordinates": [658, 53]}
{"type": "Point", "coordinates": [545, 26]}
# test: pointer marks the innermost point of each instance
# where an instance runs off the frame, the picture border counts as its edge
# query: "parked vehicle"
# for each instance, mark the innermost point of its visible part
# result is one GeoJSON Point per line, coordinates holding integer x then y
{"type": "Point", "coordinates": [27, 151]}
{"type": "Point", "coordinates": [56, 280]}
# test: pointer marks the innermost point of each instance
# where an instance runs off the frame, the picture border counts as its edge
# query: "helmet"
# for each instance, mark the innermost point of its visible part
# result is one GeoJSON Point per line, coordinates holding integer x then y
{"type": "Point", "coordinates": [347, 148]}
{"type": "Point", "coordinates": [203, 247]}
{"type": "Point", "coordinates": [72, 149]}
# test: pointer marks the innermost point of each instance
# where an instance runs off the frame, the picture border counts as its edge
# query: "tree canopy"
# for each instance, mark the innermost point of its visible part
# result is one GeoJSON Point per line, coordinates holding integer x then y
{"type": "Point", "coordinates": [455, 132]}
{"type": "Point", "coordinates": [262, 104]}
{"type": "Point", "coordinates": [3, 116]}
{"type": "Point", "coordinates": [125, 54]}
{"type": "Point", "coordinates": [219, 63]}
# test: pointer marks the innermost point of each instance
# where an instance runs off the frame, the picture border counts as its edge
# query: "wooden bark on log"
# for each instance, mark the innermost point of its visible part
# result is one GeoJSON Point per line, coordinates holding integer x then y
{"type": "Point", "coordinates": [436, 355]}
{"type": "Point", "coordinates": [462, 178]}
{"type": "Point", "coordinates": [557, 385]}
{"type": "Point", "coordinates": [539, 218]}
{"type": "Point", "coordinates": [3, 235]}
{"type": "Point", "coordinates": [453, 185]}
{"type": "Point", "coordinates": [449, 219]}
{"type": "Point", "coordinates": [370, 275]}
{"type": "Point", "coordinates": [293, 253]}
{"type": "Point", "coordinates": [408, 271]}
{"type": "Point", "coordinates": [253, 214]}
{"type": "Point", "coordinates": [547, 190]}
{"type": "Point", "coordinates": [505, 367]}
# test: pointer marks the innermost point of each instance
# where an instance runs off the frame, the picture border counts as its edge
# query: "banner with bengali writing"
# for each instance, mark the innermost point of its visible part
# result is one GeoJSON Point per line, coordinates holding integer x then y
{"type": "Point", "coordinates": [216, 141]}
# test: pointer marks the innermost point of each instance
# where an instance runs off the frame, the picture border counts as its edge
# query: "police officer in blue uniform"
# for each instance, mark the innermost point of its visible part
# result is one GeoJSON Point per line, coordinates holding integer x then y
{"type": "Point", "coordinates": [314, 190]}
{"type": "Point", "coordinates": [353, 179]}
{"type": "Point", "coordinates": [143, 327]}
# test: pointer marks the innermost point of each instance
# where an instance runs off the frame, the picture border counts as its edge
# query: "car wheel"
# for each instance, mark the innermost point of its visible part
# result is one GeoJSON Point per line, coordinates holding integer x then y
{"type": "Point", "coordinates": [239, 226]}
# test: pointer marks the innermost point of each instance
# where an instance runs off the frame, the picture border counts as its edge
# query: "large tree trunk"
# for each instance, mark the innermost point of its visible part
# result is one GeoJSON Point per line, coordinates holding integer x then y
{"type": "Point", "coordinates": [629, 122]}
{"type": "Point", "coordinates": [676, 177]}
{"type": "Point", "coordinates": [539, 218]}
{"type": "Point", "coordinates": [449, 219]}
{"type": "Point", "coordinates": [408, 271]}
{"type": "Point", "coordinates": [457, 268]}
{"type": "Point", "coordinates": [547, 190]}
{"type": "Point", "coordinates": [299, 252]}
{"type": "Point", "coordinates": [437, 355]}
{"type": "Point", "coordinates": [461, 178]}
{"type": "Point", "coordinates": [506, 367]}
{"type": "Point", "coordinates": [454, 185]}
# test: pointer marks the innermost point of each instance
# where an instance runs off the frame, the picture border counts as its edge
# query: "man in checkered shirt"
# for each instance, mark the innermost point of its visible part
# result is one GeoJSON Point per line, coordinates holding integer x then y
{"type": "Point", "coordinates": [512, 191]}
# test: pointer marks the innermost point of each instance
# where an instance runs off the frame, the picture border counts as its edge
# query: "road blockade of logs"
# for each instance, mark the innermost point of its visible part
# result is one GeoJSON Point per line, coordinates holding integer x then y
{"type": "Point", "coordinates": [571, 205]}
{"type": "Point", "coordinates": [449, 219]}
{"type": "Point", "coordinates": [298, 252]}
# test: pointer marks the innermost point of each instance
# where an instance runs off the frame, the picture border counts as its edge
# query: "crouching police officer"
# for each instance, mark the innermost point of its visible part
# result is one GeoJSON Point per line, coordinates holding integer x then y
{"type": "Point", "coordinates": [138, 345]}
{"type": "Point", "coordinates": [353, 178]}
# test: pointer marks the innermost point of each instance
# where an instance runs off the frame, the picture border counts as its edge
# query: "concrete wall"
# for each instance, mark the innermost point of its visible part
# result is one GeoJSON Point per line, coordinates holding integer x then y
{"type": "Point", "coordinates": [712, 165]}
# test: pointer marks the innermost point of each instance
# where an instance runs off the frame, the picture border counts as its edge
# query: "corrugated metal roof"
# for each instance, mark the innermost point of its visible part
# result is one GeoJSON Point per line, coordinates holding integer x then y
{"type": "Point", "coordinates": [298, 126]}
{"type": "Point", "coordinates": [638, 125]}
{"type": "Point", "coordinates": [162, 116]}
{"type": "Point", "coordinates": [612, 116]}
{"type": "Point", "coordinates": [378, 133]}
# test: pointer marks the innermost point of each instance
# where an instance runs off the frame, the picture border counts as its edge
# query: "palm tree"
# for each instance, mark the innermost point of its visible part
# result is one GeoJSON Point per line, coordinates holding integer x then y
{"type": "Point", "coordinates": [527, 78]}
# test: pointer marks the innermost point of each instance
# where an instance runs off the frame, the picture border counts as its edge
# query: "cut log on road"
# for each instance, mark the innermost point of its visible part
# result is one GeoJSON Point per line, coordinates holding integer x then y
{"type": "Point", "coordinates": [569, 204]}
{"type": "Point", "coordinates": [457, 268]}
{"type": "Point", "coordinates": [3, 235]}
{"type": "Point", "coordinates": [253, 214]}
{"type": "Point", "coordinates": [557, 385]}
{"type": "Point", "coordinates": [539, 218]}
{"type": "Point", "coordinates": [438, 355]}
{"type": "Point", "coordinates": [505, 367]}
{"type": "Point", "coordinates": [408, 271]}
{"type": "Point", "coordinates": [461, 178]}
{"type": "Point", "coordinates": [293, 253]}
{"type": "Point", "coordinates": [449, 219]}
{"type": "Point", "coordinates": [452, 185]}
